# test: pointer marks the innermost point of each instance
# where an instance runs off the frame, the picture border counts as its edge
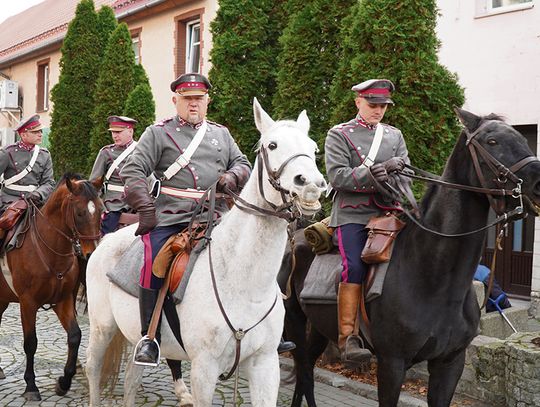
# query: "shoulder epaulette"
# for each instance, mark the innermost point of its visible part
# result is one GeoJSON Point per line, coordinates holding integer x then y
{"type": "Point", "coordinates": [390, 127]}
{"type": "Point", "coordinates": [11, 146]}
{"type": "Point", "coordinates": [216, 124]}
{"type": "Point", "coordinates": [107, 146]}
{"type": "Point", "coordinates": [44, 149]}
{"type": "Point", "coordinates": [163, 121]}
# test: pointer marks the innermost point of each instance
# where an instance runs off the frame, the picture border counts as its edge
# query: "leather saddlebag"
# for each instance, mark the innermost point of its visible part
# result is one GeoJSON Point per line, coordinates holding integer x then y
{"type": "Point", "coordinates": [382, 230]}
{"type": "Point", "coordinates": [12, 214]}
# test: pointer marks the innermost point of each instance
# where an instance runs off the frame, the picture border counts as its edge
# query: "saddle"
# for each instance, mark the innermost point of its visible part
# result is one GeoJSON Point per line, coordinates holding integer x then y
{"type": "Point", "coordinates": [174, 255]}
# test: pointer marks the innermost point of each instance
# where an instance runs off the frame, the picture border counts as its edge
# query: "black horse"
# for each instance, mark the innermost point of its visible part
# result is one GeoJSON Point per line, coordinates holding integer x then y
{"type": "Point", "coordinates": [428, 309]}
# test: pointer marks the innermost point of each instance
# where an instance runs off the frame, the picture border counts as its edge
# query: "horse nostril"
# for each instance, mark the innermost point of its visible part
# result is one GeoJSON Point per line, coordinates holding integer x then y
{"type": "Point", "coordinates": [300, 180]}
{"type": "Point", "coordinates": [322, 184]}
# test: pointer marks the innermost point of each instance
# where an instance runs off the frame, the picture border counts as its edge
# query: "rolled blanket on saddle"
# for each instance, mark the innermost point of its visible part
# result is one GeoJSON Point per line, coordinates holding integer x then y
{"type": "Point", "coordinates": [319, 236]}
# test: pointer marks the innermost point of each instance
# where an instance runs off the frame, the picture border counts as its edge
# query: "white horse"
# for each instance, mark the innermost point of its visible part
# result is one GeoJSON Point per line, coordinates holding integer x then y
{"type": "Point", "coordinates": [246, 249]}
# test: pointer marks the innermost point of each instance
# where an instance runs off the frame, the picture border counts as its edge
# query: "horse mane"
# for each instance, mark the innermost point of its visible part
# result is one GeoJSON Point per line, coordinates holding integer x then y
{"type": "Point", "coordinates": [457, 155]}
{"type": "Point", "coordinates": [88, 190]}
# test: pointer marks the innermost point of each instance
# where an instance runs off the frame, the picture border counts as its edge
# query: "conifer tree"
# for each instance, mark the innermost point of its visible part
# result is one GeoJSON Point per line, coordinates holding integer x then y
{"type": "Point", "coordinates": [106, 25]}
{"type": "Point", "coordinates": [114, 83]}
{"type": "Point", "coordinates": [73, 95]}
{"type": "Point", "coordinates": [399, 43]}
{"type": "Point", "coordinates": [244, 53]}
{"type": "Point", "coordinates": [308, 59]}
{"type": "Point", "coordinates": [140, 105]}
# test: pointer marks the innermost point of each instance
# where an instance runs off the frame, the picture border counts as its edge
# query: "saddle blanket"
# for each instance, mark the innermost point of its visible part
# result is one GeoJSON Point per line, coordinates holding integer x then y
{"type": "Point", "coordinates": [128, 269]}
{"type": "Point", "coordinates": [322, 280]}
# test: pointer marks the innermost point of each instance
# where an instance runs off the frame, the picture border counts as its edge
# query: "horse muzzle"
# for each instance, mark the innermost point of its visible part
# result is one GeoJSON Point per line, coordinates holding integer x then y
{"type": "Point", "coordinates": [307, 200]}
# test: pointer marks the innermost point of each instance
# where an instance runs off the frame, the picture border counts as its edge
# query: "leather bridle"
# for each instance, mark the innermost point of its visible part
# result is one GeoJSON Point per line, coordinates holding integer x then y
{"type": "Point", "coordinates": [74, 239]}
{"type": "Point", "coordinates": [502, 174]}
{"type": "Point", "coordinates": [287, 209]}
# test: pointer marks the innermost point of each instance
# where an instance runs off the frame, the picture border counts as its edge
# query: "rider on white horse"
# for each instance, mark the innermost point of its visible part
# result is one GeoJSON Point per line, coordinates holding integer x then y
{"type": "Point", "coordinates": [187, 154]}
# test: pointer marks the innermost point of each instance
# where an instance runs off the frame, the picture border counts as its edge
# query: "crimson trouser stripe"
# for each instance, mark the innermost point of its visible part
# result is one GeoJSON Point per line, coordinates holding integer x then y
{"type": "Point", "coordinates": [351, 241]}
{"type": "Point", "coordinates": [153, 242]}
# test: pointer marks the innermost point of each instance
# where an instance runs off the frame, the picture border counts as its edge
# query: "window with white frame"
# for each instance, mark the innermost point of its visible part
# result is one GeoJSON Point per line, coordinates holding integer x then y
{"type": "Point", "coordinates": [136, 45]}
{"type": "Point", "coordinates": [498, 4]}
{"type": "Point", "coordinates": [42, 94]}
{"type": "Point", "coordinates": [193, 46]}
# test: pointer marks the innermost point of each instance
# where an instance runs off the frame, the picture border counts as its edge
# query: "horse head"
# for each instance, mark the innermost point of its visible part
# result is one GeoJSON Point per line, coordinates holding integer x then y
{"type": "Point", "coordinates": [502, 160]}
{"type": "Point", "coordinates": [287, 154]}
{"type": "Point", "coordinates": [81, 210]}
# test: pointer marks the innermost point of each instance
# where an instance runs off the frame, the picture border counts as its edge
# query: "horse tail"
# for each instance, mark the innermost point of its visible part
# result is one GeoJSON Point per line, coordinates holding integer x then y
{"type": "Point", "coordinates": [112, 360]}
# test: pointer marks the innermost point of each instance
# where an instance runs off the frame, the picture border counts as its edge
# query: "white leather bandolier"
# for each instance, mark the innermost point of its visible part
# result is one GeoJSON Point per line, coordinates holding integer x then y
{"type": "Point", "coordinates": [373, 150]}
{"type": "Point", "coordinates": [182, 161]}
{"type": "Point", "coordinates": [114, 166]}
{"type": "Point", "coordinates": [10, 183]}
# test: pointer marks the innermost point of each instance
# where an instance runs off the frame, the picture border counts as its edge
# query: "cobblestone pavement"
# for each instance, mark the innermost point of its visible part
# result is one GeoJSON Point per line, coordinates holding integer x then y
{"type": "Point", "coordinates": [156, 388]}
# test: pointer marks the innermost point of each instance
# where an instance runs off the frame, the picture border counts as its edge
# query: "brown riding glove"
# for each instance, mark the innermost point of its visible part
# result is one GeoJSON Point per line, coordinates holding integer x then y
{"type": "Point", "coordinates": [139, 199]}
{"type": "Point", "coordinates": [227, 180]}
{"type": "Point", "coordinates": [378, 172]}
{"type": "Point", "coordinates": [394, 164]}
{"type": "Point", "coordinates": [34, 198]}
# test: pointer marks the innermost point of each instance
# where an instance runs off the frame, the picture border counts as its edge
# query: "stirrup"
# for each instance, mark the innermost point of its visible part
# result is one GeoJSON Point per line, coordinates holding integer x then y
{"type": "Point", "coordinates": [366, 353]}
{"type": "Point", "coordinates": [147, 338]}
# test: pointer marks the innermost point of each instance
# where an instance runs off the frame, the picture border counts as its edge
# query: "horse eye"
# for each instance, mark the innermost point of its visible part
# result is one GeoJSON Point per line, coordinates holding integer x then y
{"type": "Point", "coordinates": [272, 145]}
{"type": "Point", "coordinates": [492, 142]}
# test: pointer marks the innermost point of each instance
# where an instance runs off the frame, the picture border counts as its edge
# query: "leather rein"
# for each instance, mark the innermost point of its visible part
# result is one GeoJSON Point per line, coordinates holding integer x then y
{"type": "Point", "coordinates": [284, 211]}
{"type": "Point", "coordinates": [503, 175]}
{"type": "Point", "coordinates": [74, 239]}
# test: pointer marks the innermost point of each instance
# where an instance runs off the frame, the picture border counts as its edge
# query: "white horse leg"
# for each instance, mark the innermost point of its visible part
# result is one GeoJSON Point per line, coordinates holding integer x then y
{"type": "Point", "coordinates": [97, 345]}
{"type": "Point", "coordinates": [183, 394]}
{"type": "Point", "coordinates": [263, 376]}
{"type": "Point", "coordinates": [204, 375]}
{"type": "Point", "coordinates": [132, 381]}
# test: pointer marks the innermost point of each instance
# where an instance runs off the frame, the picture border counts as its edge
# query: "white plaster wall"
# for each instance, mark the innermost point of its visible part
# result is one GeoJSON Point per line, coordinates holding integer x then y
{"type": "Point", "coordinates": [497, 57]}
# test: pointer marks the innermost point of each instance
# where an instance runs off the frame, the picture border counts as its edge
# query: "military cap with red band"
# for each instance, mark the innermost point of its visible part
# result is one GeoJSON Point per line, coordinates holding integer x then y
{"type": "Point", "coordinates": [29, 124]}
{"type": "Point", "coordinates": [375, 90]}
{"type": "Point", "coordinates": [119, 123]}
{"type": "Point", "coordinates": [191, 84]}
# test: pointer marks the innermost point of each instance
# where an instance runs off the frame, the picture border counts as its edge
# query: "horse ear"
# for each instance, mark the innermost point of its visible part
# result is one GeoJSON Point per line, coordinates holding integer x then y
{"type": "Point", "coordinates": [303, 121]}
{"type": "Point", "coordinates": [262, 120]}
{"type": "Point", "coordinates": [468, 119]}
{"type": "Point", "coordinates": [98, 182]}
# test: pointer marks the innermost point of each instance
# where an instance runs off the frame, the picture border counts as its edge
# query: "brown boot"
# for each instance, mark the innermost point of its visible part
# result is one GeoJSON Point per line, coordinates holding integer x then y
{"type": "Point", "coordinates": [349, 343]}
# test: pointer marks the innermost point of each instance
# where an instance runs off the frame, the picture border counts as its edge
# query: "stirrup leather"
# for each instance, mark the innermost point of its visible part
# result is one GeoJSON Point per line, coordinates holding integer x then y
{"type": "Point", "coordinates": [147, 338]}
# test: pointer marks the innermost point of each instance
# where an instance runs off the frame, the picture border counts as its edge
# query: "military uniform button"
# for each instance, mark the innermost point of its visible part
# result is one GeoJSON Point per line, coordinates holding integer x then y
{"type": "Point", "coordinates": [358, 148]}
{"type": "Point", "coordinates": [219, 149]}
{"type": "Point", "coordinates": [178, 129]}
{"type": "Point", "coordinates": [198, 188]}
{"type": "Point", "coordinates": [192, 168]}
{"type": "Point", "coordinates": [363, 156]}
{"type": "Point", "coordinates": [354, 188]}
{"type": "Point", "coordinates": [217, 160]}
{"type": "Point", "coordinates": [363, 187]}
{"type": "Point", "coordinates": [386, 130]}
{"type": "Point", "coordinates": [196, 177]}
{"type": "Point", "coordinates": [351, 130]}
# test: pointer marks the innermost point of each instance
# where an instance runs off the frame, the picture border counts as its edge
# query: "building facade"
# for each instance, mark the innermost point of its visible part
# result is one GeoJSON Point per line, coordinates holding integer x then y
{"type": "Point", "coordinates": [494, 47]}
{"type": "Point", "coordinates": [169, 37]}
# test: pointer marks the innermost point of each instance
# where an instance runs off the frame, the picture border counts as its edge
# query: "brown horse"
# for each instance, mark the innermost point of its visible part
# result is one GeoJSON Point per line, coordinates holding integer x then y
{"type": "Point", "coordinates": [45, 268]}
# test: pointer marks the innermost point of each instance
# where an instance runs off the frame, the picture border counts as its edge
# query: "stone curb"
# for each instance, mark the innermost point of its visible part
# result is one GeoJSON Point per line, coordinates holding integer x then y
{"type": "Point", "coordinates": [361, 389]}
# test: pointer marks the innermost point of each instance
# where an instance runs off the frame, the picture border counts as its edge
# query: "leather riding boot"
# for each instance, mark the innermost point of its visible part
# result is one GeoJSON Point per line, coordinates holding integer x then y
{"type": "Point", "coordinates": [285, 346]}
{"type": "Point", "coordinates": [349, 343]}
{"type": "Point", "coordinates": [147, 351]}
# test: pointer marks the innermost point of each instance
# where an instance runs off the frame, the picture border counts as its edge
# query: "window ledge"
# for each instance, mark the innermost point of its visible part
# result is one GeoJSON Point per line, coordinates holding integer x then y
{"type": "Point", "coordinates": [504, 10]}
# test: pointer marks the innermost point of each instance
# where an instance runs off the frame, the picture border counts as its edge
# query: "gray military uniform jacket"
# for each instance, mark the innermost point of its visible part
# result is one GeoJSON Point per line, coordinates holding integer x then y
{"type": "Point", "coordinates": [113, 200]}
{"type": "Point", "coordinates": [13, 159]}
{"type": "Point", "coordinates": [357, 198]}
{"type": "Point", "coordinates": [161, 144]}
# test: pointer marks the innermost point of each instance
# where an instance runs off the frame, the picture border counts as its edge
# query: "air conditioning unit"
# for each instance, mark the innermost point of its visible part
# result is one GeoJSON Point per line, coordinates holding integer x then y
{"type": "Point", "coordinates": [7, 136]}
{"type": "Point", "coordinates": [9, 94]}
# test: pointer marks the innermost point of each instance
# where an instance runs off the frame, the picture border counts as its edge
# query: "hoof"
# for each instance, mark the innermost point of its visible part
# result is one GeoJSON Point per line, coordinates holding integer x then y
{"type": "Point", "coordinates": [186, 405]}
{"type": "Point", "coordinates": [2, 374]}
{"type": "Point", "coordinates": [59, 390]}
{"type": "Point", "coordinates": [32, 396]}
